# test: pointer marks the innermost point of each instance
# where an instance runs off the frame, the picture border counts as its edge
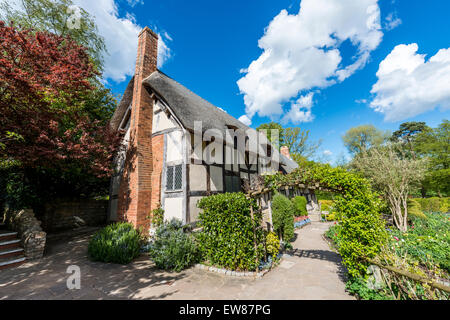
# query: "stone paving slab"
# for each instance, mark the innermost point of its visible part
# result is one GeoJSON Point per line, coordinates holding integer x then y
{"type": "Point", "coordinates": [313, 271]}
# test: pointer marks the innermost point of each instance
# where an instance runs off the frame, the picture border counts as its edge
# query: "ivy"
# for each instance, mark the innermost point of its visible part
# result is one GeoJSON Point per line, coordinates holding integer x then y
{"type": "Point", "coordinates": [230, 232]}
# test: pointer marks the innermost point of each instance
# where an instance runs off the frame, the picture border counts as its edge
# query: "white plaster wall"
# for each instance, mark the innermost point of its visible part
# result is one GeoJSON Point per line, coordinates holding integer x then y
{"type": "Point", "coordinates": [197, 147]}
{"type": "Point", "coordinates": [197, 177]}
{"type": "Point", "coordinates": [173, 208]}
{"type": "Point", "coordinates": [161, 121]}
{"type": "Point", "coordinates": [193, 210]}
{"type": "Point", "coordinates": [216, 178]}
{"type": "Point", "coordinates": [174, 146]}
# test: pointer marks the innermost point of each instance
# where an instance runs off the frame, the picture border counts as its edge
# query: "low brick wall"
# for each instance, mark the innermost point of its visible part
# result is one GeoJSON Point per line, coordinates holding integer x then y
{"type": "Point", "coordinates": [61, 215]}
{"type": "Point", "coordinates": [32, 237]}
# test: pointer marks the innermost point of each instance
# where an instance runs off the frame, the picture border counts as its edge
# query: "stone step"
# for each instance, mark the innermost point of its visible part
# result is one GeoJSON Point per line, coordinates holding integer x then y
{"type": "Point", "coordinates": [9, 244]}
{"type": "Point", "coordinates": [13, 262]}
{"type": "Point", "coordinates": [314, 217]}
{"type": "Point", "coordinates": [8, 253]}
{"type": "Point", "coordinates": [7, 235]}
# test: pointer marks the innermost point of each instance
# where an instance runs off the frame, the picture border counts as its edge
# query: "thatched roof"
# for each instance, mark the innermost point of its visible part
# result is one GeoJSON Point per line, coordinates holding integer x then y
{"type": "Point", "coordinates": [123, 105]}
{"type": "Point", "coordinates": [187, 108]}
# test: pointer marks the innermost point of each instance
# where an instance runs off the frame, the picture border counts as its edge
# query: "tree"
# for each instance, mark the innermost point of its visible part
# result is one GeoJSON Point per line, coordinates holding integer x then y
{"type": "Point", "coordinates": [299, 143]}
{"type": "Point", "coordinates": [407, 133]}
{"type": "Point", "coordinates": [362, 138]}
{"type": "Point", "coordinates": [435, 144]}
{"type": "Point", "coordinates": [44, 127]}
{"type": "Point", "coordinates": [58, 17]}
{"type": "Point", "coordinates": [267, 127]}
{"type": "Point", "coordinates": [394, 175]}
{"type": "Point", "coordinates": [297, 140]}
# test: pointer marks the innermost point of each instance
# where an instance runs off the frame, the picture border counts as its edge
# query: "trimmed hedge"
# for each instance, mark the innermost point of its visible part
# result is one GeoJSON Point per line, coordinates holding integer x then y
{"type": "Point", "coordinates": [434, 204]}
{"type": "Point", "coordinates": [117, 243]}
{"type": "Point", "coordinates": [299, 203]}
{"type": "Point", "coordinates": [229, 232]}
{"type": "Point", "coordinates": [414, 209]}
{"type": "Point", "coordinates": [283, 217]}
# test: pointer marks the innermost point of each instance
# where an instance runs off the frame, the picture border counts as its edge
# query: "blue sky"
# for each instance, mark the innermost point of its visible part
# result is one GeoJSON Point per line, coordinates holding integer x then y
{"type": "Point", "coordinates": [208, 43]}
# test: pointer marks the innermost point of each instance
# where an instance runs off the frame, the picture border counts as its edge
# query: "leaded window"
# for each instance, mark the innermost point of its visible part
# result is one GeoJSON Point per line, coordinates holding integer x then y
{"type": "Point", "coordinates": [174, 178]}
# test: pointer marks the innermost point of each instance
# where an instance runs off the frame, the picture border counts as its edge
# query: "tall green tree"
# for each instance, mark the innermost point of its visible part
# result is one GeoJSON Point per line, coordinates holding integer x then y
{"type": "Point", "coordinates": [394, 175]}
{"type": "Point", "coordinates": [299, 142]}
{"type": "Point", "coordinates": [267, 127]}
{"type": "Point", "coordinates": [362, 138]}
{"type": "Point", "coordinates": [407, 134]}
{"type": "Point", "coordinates": [435, 145]}
{"type": "Point", "coordinates": [59, 17]}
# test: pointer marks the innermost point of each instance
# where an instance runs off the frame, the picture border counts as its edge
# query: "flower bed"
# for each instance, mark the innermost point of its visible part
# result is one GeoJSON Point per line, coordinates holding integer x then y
{"type": "Point", "coordinates": [300, 222]}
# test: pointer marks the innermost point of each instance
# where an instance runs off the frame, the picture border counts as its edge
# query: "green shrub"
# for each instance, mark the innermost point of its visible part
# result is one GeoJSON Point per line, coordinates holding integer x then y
{"type": "Point", "coordinates": [433, 204]}
{"type": "Point", "coordinates": [299, 203]}
{"type": "Point", "coordinates": [333, 234]}
{"type": "Point", "coordinates": [272, 244]}
{"type": "Point", "coordinates": [229, 232]}
{"type": "Point", "coordinates": [173, 249]}
{"type": "Point", "coordinates": [283, 217]}
{"type": "Point", "coordinates": [158, 216]}
{"type": "Point", "coordinates": [326, 205]}
{"type": "Point", "coordinates": [117, 243]}
{"type": "Point", "coordinates": [414, 209]}
{"type": "Point", "coordinates": [358, 286]}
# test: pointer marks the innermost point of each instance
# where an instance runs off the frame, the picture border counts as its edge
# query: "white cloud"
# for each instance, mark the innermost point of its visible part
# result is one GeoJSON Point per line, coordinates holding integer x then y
{"type": "Point", "coordinates": [327, 153]}
{"type": "Point", "coordinates": [408, 85]}
{"type": "Point", "coordinates": [132, 3]}
{"type": "Point", "coordinates": [300, 110]}
{"type": "Point", "coordinates": [301, 52]}
{"type": "Point", "coordinates": [120, 35]}
{"type": "Point", "coordinates": [245, 120]}
{"type": "Point", "coordinates": [392, 21]}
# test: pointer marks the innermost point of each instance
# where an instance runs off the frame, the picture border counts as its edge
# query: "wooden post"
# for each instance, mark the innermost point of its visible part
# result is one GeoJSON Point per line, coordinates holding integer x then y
{"type": "Point", "coordinates": [269, 204]}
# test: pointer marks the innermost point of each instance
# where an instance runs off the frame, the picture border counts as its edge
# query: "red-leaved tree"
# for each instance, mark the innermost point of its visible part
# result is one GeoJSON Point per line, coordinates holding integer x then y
{"type": "Point", "coordinates": [43, 79]}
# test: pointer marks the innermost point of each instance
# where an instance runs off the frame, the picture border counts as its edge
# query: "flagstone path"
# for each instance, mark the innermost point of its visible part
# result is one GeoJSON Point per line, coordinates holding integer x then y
{"type": "Point", "coordinates": [313, 271]}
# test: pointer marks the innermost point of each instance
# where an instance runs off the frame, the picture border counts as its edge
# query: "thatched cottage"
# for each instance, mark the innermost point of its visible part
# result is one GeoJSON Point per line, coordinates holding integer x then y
{"type": "Point", "coordinates": [162, 162]}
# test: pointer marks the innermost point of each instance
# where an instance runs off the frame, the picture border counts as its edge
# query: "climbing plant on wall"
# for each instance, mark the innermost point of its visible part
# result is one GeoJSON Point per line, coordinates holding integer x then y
{"type": "Point", "coordinates": [362, 231]}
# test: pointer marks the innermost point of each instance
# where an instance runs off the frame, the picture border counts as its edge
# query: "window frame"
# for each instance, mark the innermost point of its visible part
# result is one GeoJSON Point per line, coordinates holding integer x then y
{"type": "Point", "coordinates": [173, 168]}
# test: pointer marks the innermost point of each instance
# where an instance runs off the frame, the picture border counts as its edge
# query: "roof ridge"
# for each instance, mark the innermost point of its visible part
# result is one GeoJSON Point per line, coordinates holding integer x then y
{"type": "Point", "coordinates": [219, 108]}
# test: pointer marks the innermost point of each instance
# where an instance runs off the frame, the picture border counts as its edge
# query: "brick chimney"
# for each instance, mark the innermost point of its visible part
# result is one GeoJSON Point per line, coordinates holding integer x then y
{"type": "Point", "coordinates": [135, 191]}
{"type": "Point", "coordinates": [284, 150]}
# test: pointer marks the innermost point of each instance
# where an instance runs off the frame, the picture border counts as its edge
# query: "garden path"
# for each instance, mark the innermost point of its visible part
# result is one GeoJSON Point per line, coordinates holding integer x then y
{"type": "Point", "coordinates": [313, 271]}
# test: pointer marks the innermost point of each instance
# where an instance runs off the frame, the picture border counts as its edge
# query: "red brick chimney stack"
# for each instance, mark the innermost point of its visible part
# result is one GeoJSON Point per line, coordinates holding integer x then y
{"type": "Point", "coordinates": [135, 191]}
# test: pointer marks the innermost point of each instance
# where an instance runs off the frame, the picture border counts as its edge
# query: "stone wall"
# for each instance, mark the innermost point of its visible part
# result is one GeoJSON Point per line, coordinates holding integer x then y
{"type": "Point", "coordinates": [60, 215]}
{"type": "Point", "coordinates": [32, 237]}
